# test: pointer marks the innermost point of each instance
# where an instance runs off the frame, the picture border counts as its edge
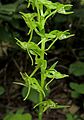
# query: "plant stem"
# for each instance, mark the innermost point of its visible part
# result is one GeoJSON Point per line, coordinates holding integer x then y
{"type": "Point", "coordinates": [42, 66]}
{"type": "Point", "coordinates": [34, 71]}
{"type": "Point", "coordinates": [40, 107]}
{"type": "Point", "coordinates": [42, 78]}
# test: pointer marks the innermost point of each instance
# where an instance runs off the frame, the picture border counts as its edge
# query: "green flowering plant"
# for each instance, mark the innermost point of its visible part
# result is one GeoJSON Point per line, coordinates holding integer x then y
{"type": "Point", "coordinates": [36, 23]}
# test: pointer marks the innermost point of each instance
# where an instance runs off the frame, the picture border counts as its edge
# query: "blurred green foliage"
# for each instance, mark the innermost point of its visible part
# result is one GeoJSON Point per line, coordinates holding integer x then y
{"type": "Point", "coordinates": [77, 89]}
{"type": "Point", "coordinates": [70, 116]}
{"type": "Point", "coordinates": [2, 90]}
{"type": "Point", "coordinates": [10, 21]}
{"type": "Point", "coordinates": [77, 68]}
{"type": "Point", "coordinates": [18, 116]}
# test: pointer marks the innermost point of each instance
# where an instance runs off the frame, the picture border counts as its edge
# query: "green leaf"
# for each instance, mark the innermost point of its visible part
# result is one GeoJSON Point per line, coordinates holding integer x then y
{"type": "Point", "coordinates": [77, 68]}
{"type": "Point", "coordinates": [41, 62]}
{"type": "Point", "coordinates": [82, 2]}
{"type": "Point", "coordinates": [8, 8]}
{"type": "Point", "coordinates": [69, 116]}
{"type": "Point", "coordinates": [31, 82]}
{"type": "Point", "coordinates": [77, 87]}
{"type": "Point", "coordinates": [53, 66]}
{"type": "Point", "coordinates": [56, 34]}
{"type": "Point", "coordinates": [2, 90]}
{"type": "Point", "coordinates": [58, 75]}
{"type": "Point", "coordinates": [29, 19]}
{"type": "Point", "coordinates": [34, 3]}
{"type": "Point", "coordinates": [33, 96]}
{"type": "Point", "coordinates": [27, 116]}
{"type": "Point", "coordinates": [52, 73]}
{"type": "Point", "coordinates": [23, 45]}
{"type": "Point", "coordinates": [61, 8]}
{"type": "Point", "coordinates": [49, 104]}
{"type": "Point", "coordinates": [64, 35]}
{"type": "Point", "coordinates": [74, 85]}
{"type": "Point", "coordinates": [35, 50]}
{"type": "Point", "coordinates": [35, 85]}
{"type": "Point", "coordinates": [30, 47]}
{"type": "Point", "coordinates": [81, 88]}
{"type": "Point", "coordinates": [8, 116]}
{"type": "Point", "coordinates": [27, 84]}
{"type": "Point", "coordinates": [16, 117]}
{"type": "Point", "coordinates": [75, 94]}
{"type": "Point", "coordinates": [41, 23]}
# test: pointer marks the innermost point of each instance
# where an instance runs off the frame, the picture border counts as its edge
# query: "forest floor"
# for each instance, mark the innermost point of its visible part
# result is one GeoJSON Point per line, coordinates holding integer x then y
{"type": "Point", "coordinates": [60, 91]}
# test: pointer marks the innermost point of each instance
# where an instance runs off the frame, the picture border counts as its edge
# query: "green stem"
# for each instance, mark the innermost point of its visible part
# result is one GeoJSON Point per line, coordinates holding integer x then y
{"type": "Point", "coordinates": [51, 44]}
{"type": "Point", "coordinates": [51, 14]}
{"type": "Point", "coordinates": [42, 79]}
{"type": "Point", "coordinates": [42, 66]}
{"type": "Point", "coordinates": [40, 107]}
{"type": "Point", "coordinates": [35, 70]}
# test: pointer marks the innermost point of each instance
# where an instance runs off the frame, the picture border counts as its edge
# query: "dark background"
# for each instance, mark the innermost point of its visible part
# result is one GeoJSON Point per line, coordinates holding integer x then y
{"type": "Point", "coordinates": [69, 53]}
